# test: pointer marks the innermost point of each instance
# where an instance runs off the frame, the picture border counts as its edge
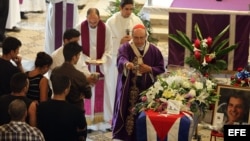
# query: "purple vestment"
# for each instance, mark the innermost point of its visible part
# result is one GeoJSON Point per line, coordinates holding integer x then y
{"type": "Point", "coordinates": [153, 58]}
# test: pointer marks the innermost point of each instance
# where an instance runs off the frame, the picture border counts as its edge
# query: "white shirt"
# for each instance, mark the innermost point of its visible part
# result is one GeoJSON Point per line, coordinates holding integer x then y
{"type": "Point", "coordinates": [58, 60]}
{"type": "Point", "coordinates": [118, 25]}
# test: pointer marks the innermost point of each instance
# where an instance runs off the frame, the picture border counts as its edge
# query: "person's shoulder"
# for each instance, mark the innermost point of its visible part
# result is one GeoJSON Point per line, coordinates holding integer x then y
{"type": "Point", "coordinates": [113, 17]}
{"type": "Point", "coordinates": [135, 16]}
{"type": "Point", "coordinates": [57, 52]}
{"type": "Point", "coordinates": [36, 131]}
{"type": "Point", "coordinates": [125, 46]}
{"type": "Point", "coordinates": [5, 62]}
{"type": "Point", "coordinates": [80, 74]}
{"type": "Point", "coordinates": [4, 128]}
{"type": "Point", "coordinates": [6, 98]}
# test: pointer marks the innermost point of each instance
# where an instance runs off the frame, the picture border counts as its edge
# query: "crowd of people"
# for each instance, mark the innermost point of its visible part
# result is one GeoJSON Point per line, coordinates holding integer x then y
{"type": "Point", "coordinates": [94, 67]}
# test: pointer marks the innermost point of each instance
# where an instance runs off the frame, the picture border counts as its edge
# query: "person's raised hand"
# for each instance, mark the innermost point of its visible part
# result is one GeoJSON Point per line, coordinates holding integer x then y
{"type": "Point", "coordinates": [125, 39]}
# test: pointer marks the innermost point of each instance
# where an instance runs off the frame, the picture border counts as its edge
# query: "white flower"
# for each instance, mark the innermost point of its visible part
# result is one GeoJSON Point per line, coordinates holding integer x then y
{"type": "Point", "coordinates": [150, 96]}
{"type": "Point", "coordinates": [174, 81]}
{"type": "Point", "coordinates": [186, 84]}
{"type": "Point", "coordinates": [204, 43]}
{"type": "Point", "coordinates": [183, 85]}
{"type": "Point", "coordinates": [204, 63]}
{"type": "Point", "coordinates": [202, 97]}
{"type": "Point", "coordinates": [192, 93]}
{"type": "Point", "coordinates": [157, 86]}
{"type": "Point", "coordinates": [212, 55]}
{"type": "Point", "coordinates": [196, 49]}
{"type": "Point", "coordinates": [198, 85]}
{"type": "Point", "coordinates": [209, 84]}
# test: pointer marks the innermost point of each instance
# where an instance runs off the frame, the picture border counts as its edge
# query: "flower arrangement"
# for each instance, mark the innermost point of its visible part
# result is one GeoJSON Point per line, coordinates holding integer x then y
{"type": "Point", "coordinates": [188, 86]}
{"type": "Point", "coordinates": [241, 78]}
{"type": "Point", "coordinates": [206, 53]}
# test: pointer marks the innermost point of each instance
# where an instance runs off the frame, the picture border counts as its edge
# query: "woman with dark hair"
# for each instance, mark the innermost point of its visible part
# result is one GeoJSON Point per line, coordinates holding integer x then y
{"type": "Point", "coordinates": [39, 85]}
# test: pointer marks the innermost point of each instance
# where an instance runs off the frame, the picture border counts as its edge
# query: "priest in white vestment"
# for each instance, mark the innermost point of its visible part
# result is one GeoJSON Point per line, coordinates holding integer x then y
{"type": "Point", "coordinates": [121, 24]}
{"type": "Point", "coordinates": [96, 41]}
{"type": "Point", "coordinates": [14, 16]}
{"type": "Point", "coordinates": [61, 15]}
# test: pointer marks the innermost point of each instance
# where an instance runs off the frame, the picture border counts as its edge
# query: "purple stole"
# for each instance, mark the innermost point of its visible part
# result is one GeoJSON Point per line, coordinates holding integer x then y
{"type": "Point", "coordinates": [99, 86]}
{"type": "Point", "coordinates": [101, 30]}
{"type": "Point", "coordinates": [59, 21]}
{"type": "Point", "coordinates": [20, 1]}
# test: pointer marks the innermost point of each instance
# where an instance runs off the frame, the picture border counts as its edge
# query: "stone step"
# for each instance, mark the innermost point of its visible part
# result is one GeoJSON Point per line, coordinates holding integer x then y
{"type": "Point", "coordinates": [160, 32]}
{"type": "Point", "coordinates": [156, 19]}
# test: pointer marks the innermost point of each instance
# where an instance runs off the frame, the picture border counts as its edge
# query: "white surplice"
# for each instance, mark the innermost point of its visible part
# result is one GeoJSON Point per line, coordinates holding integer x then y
{"type": "Point", "coordinates": [50, 31]}
{"type": "Point", "coordinates": [33, 5]}
{"type": "Point", "coordinates": [14, 16]}
{"type": "Point", "coordinates": [106, 58]}
{"type": "Point", "coordinates": [118, 26]}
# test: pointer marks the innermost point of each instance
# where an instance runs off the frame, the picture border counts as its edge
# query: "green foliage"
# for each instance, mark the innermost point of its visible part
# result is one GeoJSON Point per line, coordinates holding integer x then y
{"type": "Point", "coordinates": [211, 51]}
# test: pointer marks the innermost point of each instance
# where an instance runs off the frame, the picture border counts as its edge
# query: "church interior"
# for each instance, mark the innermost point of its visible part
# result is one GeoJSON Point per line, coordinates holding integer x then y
{"type": "Point", "coordinates": [32, 35]}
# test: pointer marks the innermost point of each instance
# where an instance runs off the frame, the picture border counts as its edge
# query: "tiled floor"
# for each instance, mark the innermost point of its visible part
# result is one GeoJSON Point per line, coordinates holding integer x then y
{"type": "Point", "coordinates": [31, 35]}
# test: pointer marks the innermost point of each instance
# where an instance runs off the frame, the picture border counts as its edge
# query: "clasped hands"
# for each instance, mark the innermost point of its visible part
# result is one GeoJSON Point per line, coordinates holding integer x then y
{"type": "Point", "coordinates": [92, 79]}
{"type": "Point", "coordinates": [17, 60]}
{"type": "Point", "coordinates": [143, 68]}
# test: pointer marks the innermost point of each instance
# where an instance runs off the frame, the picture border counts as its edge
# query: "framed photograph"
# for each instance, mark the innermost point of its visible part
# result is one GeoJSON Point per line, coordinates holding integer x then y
{"type": "Point", "coordinates": [232, 106]}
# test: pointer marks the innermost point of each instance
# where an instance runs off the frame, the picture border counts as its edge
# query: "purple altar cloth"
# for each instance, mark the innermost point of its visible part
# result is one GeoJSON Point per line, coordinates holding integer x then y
{"type": "Point", "coordinates": [212, 17]}
{"type": "Point", "coordinates": [237, 5]}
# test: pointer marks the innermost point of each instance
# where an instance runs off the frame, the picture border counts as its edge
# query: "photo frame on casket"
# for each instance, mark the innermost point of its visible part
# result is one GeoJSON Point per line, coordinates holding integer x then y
{"type": "Point", "coordinates": [232, 106]}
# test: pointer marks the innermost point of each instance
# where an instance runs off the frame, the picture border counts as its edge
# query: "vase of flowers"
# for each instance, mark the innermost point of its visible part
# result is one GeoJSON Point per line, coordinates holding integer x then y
{"type": "Point", "coordinates": [187, 85]}
{"type": "Point", "coordinates": [206, 53]}
{"type": "Point", "coordinates": [242, 77]}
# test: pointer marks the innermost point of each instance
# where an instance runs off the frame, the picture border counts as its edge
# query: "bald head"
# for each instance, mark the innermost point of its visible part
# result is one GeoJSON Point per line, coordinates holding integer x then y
{"type": "Point", "coordinates": [17, 110]}
{"type": "Point", "coordinates": [93, 17]}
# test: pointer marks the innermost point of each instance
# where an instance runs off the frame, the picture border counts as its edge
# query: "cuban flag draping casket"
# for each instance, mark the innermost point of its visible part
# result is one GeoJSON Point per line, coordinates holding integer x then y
{"type": "Point", "coordinates": [152, 126]}
{"type": "Point", "coordinates": [212, 17]}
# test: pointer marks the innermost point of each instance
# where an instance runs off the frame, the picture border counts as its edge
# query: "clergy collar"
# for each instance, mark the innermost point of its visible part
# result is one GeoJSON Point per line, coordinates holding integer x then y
{"type": "Point", "coordinates": [91, 28]}
{"type": "Point", "coordinates": [141, 48]}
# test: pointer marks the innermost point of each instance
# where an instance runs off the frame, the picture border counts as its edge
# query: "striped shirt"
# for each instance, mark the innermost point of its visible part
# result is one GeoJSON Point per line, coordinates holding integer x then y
{"type": "Point", "coordinates": [20, 131]}
{"type": "Point", "coordinates": [34, 87]}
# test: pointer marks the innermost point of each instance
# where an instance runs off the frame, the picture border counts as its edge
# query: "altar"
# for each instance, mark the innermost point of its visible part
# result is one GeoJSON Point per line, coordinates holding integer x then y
{"type": "Point", "coordinates": [212, 17]}
{"type": "Point", "coordinates": [153, 126]}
